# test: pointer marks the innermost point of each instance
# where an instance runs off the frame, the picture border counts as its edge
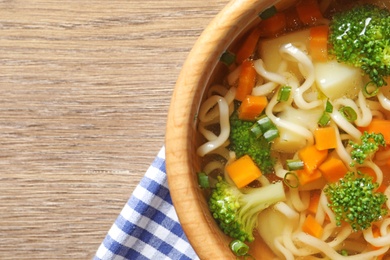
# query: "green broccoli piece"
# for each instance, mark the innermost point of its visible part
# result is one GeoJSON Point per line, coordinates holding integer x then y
{"type": "Point", "coordinates": [370, 143]}
{"type": "Point", "coordinates": [236, 210]}
{"type": "Point", "coordinates": [354, 200]}
{"type": "Point", "coordinates": [244, 141]}
{"type": "Point", "coordinates": [360, 37]}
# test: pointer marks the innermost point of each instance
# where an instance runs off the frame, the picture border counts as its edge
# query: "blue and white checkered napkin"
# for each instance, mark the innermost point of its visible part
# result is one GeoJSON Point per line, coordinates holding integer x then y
{"type": "Point", "coordinates": [147, 227]}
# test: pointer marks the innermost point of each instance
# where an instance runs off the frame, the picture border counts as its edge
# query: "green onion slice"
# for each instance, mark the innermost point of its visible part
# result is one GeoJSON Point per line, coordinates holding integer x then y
{"type": "Point", "coordinates": [267, 13]}
{"type": "Point", "coordinates": [294, 165]}
{"type": "Point", "coordinates": [271, 134]}
{"type": "Point", "coordinates": [324, 119]}
{"type": "Point", "coordinates": [228, 58]}
{"type": "Point", "coordinates": [239, 248]}
{"type": "Point", "coordinates": [294, 183]}
{"type": "Point", "coordinates": [265, 123]}
{"type": "Point", "coordinates": [348, 113]}
{"type": "Point", "coordinates": [203, 180]}
{"type": "Point", "coordinates": [284, 93]}
{"type": "Point", "coordinates": [370, 89]}
{"type": "Point", "coordinates": [328, 107]}
{"type": "Point", "coordinates": [256, 130]}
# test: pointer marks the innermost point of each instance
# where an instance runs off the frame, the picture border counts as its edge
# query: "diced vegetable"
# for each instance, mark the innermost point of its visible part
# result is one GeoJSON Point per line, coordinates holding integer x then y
{"type": "Point", "coordinates": [309, 11]}
{"type": "Point", "coordinates": [370, 89]}
{"type": "Point", "coordinates": [273, 25]}
{"type": "Point", "coordinates": [284, 93]}
{"type": "Point", "coordinates": [306, 177]}
{"type": "Point", "coordinates": [228, 58]}
{"type": "Point", "coordinates": [266, 128]}
{"type": "Point", "coordinates": [249, 46]}
{"type": "Point", "coordinates": [312, 157]}
{"type": "Point", "coordinates": [324, 119]}
{"type": "Point", "coordinates": [291, 179]}
{"type": "Point", "coordinates": [268, 13]}
{"type": "Point", "coordinates": [312, 227]}
{"type": "Point", "coordinates": [314, 201]}
{"type": "Point", "coordinates": [336, 79]}
{"type": "Point", "coordinates": [269, 50]}
{"type": "Point", "coordinates": [239, 248]}
{"type": "Point", "coordinates": [333, 169]}
{"type": "Point", "coordinates": [293, 165]}
{"type": "Point", "coordinates": [246, 80]}
{"type": "Point", "coordinates": [348, 113]}
{"type": "Point", "coordinates": [271, 134]}
{"type": "Point", "coordinates": [292, 19]}
{"type": "Point", "coordinates": [251, 107]}
{"type": "Point", "coordinates": [319, 43]}
{"type": "Point", "coordinates": [325, 138]}
{"type": "Point", "coordinates": [243, 171]}
{"type": "Point", "coordinates": [203, 180]}
{"type": "Point", "coordinates": [379, 126]}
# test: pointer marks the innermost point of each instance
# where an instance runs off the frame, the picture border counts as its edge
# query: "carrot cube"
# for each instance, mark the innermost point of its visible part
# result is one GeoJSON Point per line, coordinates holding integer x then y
{"type": "Point", "coordinates": [325, 138]}
{"type": "Point", "coordinates": [243, 171]}
{"type": "Point", "coordinates": [312, 157]}
{"type": "Point", "coordinates": [333, 169]}
{"type": "Point", "coordinates": [312, 227]}
{"type": "Point", "coordinates": [251, 107]}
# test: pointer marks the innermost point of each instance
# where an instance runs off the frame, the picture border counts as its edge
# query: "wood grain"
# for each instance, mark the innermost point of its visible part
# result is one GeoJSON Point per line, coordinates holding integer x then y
{"type": "Point", "coordinates": [85, 88]}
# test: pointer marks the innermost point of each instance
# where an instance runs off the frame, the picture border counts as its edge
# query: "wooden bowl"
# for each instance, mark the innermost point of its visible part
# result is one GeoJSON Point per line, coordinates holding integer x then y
{"type": "Point", "coordinates": [182, 163]}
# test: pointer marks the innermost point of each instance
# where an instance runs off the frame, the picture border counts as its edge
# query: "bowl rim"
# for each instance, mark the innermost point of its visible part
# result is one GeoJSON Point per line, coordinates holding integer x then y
{"type": "Point", "coordinates": [204, 236]}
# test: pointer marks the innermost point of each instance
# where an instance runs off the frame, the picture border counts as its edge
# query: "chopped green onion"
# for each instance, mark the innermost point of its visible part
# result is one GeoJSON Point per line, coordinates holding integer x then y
{"type": "Point", "coordinates": [324, 119]}
{"type": "Point", "coordinates": [328, 107]}
{"type": "Point", "coordinates": [265, 123]}
{"type": "Point", "coordinates": [267, 13]}
{"type": "Point", "coordinates": [293, 165]}
{"type": "Point", "coordinates": [284, 93]}
{"type": "Point", "coordinates": [291, 183]}
{"type": "Point", "coordinates": [228, 58]}
{"type": "Point", "coordinates": [239, 248]}
{"type": "Point", "coordinates": [348, 113]}
{"type": "Point", "coordinates": [370, 89]}
{"type": "Point", "coordinates": [203, 180]}
{"type": "Point", "coordinates": [271, 134]}
{"type": "Point", "coordinates": [256, 130]}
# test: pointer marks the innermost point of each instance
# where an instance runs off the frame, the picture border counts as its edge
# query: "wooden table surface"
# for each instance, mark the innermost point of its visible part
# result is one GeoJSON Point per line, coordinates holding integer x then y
{"type": "Point", "coordinates": [84, 93]}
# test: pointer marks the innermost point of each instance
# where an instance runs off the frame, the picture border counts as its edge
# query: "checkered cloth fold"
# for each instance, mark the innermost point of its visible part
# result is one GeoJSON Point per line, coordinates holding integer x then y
{"type": "Point", "coordinates": [147, 227]}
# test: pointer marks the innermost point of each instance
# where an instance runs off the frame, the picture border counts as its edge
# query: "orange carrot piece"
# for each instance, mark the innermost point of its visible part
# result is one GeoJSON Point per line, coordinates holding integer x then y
{"type": "Point", "coordinates": [305, 177]}
{"type": "Point", "coordinates": [325, 138]}
{"type": "Point", "coordinates": [309, 11]}
{"type": "Point", "coordinates": [251, 107]}
{"type": "Point", "coordinates": [246, 80]}
{"type": "Point", "coordinates": [333, 169]}
{"type": "Point", "coordinates": [292, 19]}
{"type": "Point", "coordinates": [380, 126]}
{"type": "Point", "coordinates": [312, 227]}
{"type": "Point", "coordinates": [312, 157]}
{"type": "Point", "coordinates": [243, 171]}
{"type": "Point", "coordinates": [274, 25]}
{"type": "Point", "coordinates": [248, 47]}
{"type": "Point", "coordinates": [314, 201]}
{"type": "Point", "coordinates": [318, 43]}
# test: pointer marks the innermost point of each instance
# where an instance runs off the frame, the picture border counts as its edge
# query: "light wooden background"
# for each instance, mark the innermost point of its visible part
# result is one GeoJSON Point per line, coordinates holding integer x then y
{"type": "Point", "coordinates": [84, 92]}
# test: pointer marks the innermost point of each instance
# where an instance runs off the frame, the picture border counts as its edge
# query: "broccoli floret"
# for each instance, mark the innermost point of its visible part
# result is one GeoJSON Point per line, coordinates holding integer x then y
{"type": "Point", "coordinates": [370, 143]}
{"type": "Point", "coordinates": [236, 210]}
{"type": "Point", "coordinates": [354, 200]}
{"type": "Point", "coordinates": [360, 37]}
{"type": "Point", "coordinates": [243, 141]}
